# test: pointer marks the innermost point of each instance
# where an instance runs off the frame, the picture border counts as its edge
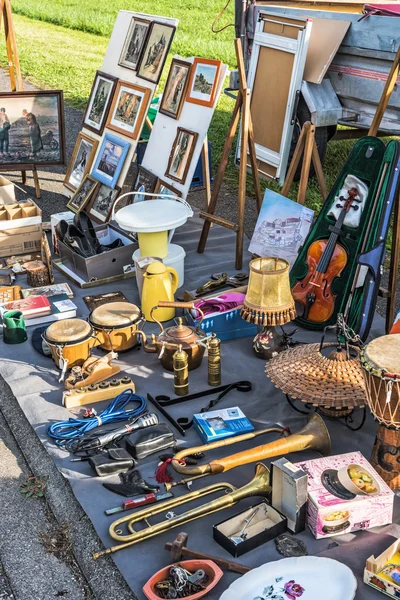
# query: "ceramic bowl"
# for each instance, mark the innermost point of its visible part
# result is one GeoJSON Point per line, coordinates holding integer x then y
{"type": "Point", "coordinates": [344, 478]}
{"type": "Point", "coordinates": [212, 570]}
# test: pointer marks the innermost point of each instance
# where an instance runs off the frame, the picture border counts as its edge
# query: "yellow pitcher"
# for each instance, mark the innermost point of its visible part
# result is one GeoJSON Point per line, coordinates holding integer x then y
{"type": "Point", "coordinates": [159, 284]}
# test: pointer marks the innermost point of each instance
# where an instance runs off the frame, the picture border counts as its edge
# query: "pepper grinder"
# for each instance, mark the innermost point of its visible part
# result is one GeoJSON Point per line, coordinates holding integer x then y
{"type": "Point", "coordinates": [214, 360]}
{"type": "Point", "coordinates": [181, 372]}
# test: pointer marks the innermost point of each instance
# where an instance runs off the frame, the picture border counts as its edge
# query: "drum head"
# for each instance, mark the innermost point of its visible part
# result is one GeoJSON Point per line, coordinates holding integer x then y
{"type": "Point", "coordinates": [68, 331]}
{"type": "Point", "coordinates": [115, 315]}
{"type": "Point", "coordinates": [384, 353]}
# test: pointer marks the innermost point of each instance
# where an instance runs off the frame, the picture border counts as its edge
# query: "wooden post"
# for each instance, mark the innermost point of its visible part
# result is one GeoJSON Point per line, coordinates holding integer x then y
{"type": "Point", "coordinates": [387, 91]}
{"type": "Point", "coordinates": [247, 148]}
{"type": "Point", "coordinates": [205, 161]}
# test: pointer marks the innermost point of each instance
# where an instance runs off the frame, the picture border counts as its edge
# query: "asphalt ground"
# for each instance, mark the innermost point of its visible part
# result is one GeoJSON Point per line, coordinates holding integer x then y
{"type": "Point", "coordinates": [27, 570]}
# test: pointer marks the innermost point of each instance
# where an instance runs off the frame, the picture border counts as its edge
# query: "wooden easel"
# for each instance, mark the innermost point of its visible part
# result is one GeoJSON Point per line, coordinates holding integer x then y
{"type": "Point", "coordinates": [387, 92]}
{"type": "Point", "coordinates": [306, 147]}
{"type": "Point", "coordinates": [247, 146]}
{"type": "Point", "coordinates": [16, 82]}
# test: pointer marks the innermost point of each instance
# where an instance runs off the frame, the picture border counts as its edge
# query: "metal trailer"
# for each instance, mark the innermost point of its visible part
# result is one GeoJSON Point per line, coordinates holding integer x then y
{"type": "Point", "coordinates": [353, 85]}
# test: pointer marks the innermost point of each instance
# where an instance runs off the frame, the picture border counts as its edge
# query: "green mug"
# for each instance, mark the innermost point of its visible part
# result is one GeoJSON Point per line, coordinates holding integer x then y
{"type": "Point", "coordinates": [14, 330]}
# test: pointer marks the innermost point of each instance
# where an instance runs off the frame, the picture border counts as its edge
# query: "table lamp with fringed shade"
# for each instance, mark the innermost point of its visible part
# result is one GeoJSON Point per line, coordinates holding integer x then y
{"type": "Point", "coordinates": [268, 303]}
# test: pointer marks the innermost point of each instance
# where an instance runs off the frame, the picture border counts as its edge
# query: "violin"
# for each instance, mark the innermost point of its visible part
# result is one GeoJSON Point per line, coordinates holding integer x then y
{"type": "Point", "coordinates": [326, 260]}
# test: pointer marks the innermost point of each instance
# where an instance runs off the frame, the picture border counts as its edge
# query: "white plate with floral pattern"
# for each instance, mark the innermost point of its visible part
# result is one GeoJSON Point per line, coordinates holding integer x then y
{"type": "Point", "coordinates": [303, 578]}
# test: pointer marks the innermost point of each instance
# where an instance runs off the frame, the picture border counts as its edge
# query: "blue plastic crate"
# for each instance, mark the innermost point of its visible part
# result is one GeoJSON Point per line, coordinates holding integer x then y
{"type": "Point", "coordinates": [226, 326]}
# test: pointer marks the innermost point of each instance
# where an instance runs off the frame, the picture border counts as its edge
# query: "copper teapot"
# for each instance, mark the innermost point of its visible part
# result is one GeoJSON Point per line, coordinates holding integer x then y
{"type": "Point", "coordinates": [191, 339]}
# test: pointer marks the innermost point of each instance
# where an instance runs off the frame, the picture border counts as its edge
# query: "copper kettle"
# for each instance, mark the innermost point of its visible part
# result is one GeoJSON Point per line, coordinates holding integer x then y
{"type": "Point", "coordinates": [169, 339]}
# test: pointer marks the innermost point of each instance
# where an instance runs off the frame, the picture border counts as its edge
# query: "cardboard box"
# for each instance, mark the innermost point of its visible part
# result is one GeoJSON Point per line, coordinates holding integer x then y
{"type": "Point", "coordinates": [266, 525]}
{"type": "Point", "coordinates": [289, 493]}
{"type": "Point", "coordinates": [108, 264]}
{"type": "Point", "coordinates": [378, 577]}
{"type": "Point", "coordinates": [220, 424]}
{"type": "Point", "coordinates": [7, 191]}
{"type": "Point", "coordinates": [326, 496]}
{"type": "Point", "coordinates": [20, 228]}
{"type": "Point", "coordinates": [55, 219]}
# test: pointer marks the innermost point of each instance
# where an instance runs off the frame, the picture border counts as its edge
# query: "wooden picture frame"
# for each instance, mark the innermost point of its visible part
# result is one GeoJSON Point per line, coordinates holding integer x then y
{"type": "Point", "coordinates": [181, 154]}
{"type": "Point", "coordinates": [172, 100]}
{"type": "Point", "coordinates": [100, 206]}
{"type": "Point", "coordinates": [204, 72]}
{"type": "Point", "coordinates": [99, 102]}
{"type": "Point", "coordinates": [130, 102]}
{"type": "Point", "coordinates": [82, 156]}
{"type": "Point", "coordinates": [163, 184]}
{"type": "Point", "coordinates": [146, 179]}
{"type": "Point", "coordinates": [152, 60]}
{"type": "Point", "coordinates": [34, 130]}
{"type": "Point", "coordinates": [134, 41]}
{"type": "Point", "coordinates": [81, 197]}
{"type": "Point", "coordinates": [110, 159]}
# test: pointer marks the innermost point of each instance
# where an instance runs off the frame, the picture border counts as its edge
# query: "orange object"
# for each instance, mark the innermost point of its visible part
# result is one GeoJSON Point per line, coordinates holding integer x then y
{"type": "Point", "coordinates": [326, 260]}
{"type": "Point", "coordinates": [212, 570]}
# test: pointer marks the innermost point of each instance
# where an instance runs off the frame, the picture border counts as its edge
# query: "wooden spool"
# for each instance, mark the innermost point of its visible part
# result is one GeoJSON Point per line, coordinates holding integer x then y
{"type": "Point", "coordinates": [37, 273]}
{"type": "Point", "coordinates": [385, 456]}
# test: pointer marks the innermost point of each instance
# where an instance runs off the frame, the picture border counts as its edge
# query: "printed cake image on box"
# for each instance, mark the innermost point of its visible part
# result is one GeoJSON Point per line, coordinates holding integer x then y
{"type": "Point", "coordinates": [345, 494]}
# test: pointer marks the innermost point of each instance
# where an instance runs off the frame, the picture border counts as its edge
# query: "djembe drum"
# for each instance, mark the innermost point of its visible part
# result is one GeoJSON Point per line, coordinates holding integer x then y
{"type": "Point", "coordinates": [380, 360]}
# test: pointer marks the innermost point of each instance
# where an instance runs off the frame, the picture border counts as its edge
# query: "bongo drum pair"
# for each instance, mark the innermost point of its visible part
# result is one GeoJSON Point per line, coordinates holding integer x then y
{"type": "Point", "coordinates": [380, 361]}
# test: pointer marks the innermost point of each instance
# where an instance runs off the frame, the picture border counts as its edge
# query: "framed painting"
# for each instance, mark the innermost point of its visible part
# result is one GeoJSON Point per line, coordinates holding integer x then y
{"type": "Point", "coordinates": [203, 82]}
{"type": "Point", "coordinates": [32, 128]}
{"type": "Point", "coordinates": [145, 182]}
{"type": "Point", "coordinates": [181, 154]}
{"type": "Point", "coordinates": [162, 187]}
{"type": "Point", "coordinates": [128, 109]}
{"type": "Point", "coordinates": [101, 203]}
{"type": "Point", "coordinates": [134, 42]}
{"type": "Point", "coordinates": [81, 197]}
{"type": "Point", "coordinates": [99, 103]}
{"type": "Point", "coordinates": [81, 161]}
{"type": "Point", "coordinates": [175, 89]}
{"type": "Point", "coordinates": [155, 51]}
{"type": "Point", "coordinates": [110, 159]}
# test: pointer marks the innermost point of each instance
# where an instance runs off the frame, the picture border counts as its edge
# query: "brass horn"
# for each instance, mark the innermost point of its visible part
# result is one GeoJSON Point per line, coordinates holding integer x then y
{"type": "Point", "coordinates": [258, 486]}
{"type": "Point", "coordinates": [314, 436]}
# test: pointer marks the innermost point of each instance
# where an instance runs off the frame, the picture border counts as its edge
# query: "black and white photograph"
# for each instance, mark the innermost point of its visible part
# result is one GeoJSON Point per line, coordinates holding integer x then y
{"type": "Point", "coordinates": [81, 161]}
{"type": "Point", "coordinates": [181, 154]}
{"type": "Point", "coordinates": [134, 41]}
{"type": "Point", "coordinates": [32, 128]}
{"type": "Point", "coordinates": [155, 51]}
{"type": "Point", "coordinates": [99, 102]}
{"type": "Point", "coordinates": [83, 194]}
{"type": "Point", "coordinates": [102, 201]}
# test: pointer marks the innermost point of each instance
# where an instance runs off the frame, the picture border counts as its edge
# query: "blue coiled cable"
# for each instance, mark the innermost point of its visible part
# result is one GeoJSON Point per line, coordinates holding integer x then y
{"type": "Point", "coordinates": [65, 431]}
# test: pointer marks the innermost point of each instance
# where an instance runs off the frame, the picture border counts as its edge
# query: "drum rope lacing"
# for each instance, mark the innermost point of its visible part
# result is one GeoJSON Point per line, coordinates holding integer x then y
{"type": "Point", "coordinates": [65, 432]}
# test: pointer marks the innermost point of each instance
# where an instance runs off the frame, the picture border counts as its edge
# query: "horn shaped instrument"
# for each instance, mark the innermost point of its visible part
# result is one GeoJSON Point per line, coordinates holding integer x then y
{"type": "Point", "coordinates": [258, 486]}
{"type": "Point", "coordinates": [314, 436]}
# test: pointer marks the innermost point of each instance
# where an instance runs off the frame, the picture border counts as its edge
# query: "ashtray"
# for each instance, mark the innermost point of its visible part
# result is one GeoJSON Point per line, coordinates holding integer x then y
{"type": "Point", "coordinates": [212, 570]}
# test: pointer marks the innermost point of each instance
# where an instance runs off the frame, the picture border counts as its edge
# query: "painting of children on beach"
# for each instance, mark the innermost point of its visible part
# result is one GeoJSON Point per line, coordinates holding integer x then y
{"type": "Point", "coordinates": [32, 128]}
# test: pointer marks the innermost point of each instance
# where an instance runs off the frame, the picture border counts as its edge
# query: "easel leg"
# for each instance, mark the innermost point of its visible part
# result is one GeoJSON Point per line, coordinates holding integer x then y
{"type": "Point", "coordinates": [295, 160]}
{"type": "Point", "coordinates": [36, 181]}
{"type": "Point", "coordinates": [387, 91]}
{"type": "Point", "coordinates": [254, 166]}
{"type": "Point", "coordinates": [23, 176]}
{"type": "Point", "coordinates": [206, 174]}
{"type": "Point", "coordinates": [319, 171]}
{"type": "Point", "coordinates": [305, 170]}
{"type": "Point", "coordinates": [394, 268]}
{"type": "Point", "coordinates": [12, 42]}
{"type": "Point", "coordinates": [220, 173]}
{"type": "Point", "coordinates": [242, 178]}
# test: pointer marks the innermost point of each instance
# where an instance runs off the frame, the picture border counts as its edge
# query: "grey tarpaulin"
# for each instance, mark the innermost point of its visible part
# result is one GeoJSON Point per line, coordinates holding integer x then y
{"type": "Point", "coordinates": [34, 381]}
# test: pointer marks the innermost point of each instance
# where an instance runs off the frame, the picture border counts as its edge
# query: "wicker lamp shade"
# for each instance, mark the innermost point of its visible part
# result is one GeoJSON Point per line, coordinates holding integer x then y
{"type": "Point", "coordinates": [331, 381]}
{"type": "Point", "coordinates": [268, 301]}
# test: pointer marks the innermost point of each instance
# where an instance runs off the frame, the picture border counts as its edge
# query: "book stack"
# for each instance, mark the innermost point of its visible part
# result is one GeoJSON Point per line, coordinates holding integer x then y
{"type": "Point", "coordinates": [38, 310]}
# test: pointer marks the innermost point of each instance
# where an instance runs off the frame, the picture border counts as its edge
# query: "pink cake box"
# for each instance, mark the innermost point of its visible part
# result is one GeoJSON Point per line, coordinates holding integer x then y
{"type": "Point", "coordinates": [326, 501]}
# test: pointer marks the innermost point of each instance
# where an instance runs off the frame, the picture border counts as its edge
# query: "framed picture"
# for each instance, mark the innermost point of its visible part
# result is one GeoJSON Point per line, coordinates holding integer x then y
{"type": "Point", "coordinates": [203, 82]}
{"type": "Point", "coordinates": [128, 109]}
{"type": "Point", "coordinates": [181, 154]}
{"type": "Point", "coordinates": [32, 128]}
{"type": "Point", "coordinates": [134, 42]}
{"type": "Point", "coordinates": [99, 102]}
{"type": "Point", "coordinates": [81, 161]}
{"type": "Point", "coordinates": [110, 159]}
{"type": "Point", "coordinates": [175, 88]}
{"type": "Point", "coordinates": [145, 182]}
{"type": "Point", "coordinates": [83, 194]}
{"type": "Point", "coordinates": [155, 51]}
{"type": "Point", "coordinates": [101, 203]}
{"type": "Point", "coordinates": [162, 187]}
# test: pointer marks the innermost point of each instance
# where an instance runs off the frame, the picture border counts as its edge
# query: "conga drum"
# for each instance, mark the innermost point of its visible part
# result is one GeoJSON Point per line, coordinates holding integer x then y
{"type": "Point", "coordinates": [70, 341]}
{"type": "Point", "coordinates": [116, 325]}
{"type": "Point", "coordinates": [380, 360]}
